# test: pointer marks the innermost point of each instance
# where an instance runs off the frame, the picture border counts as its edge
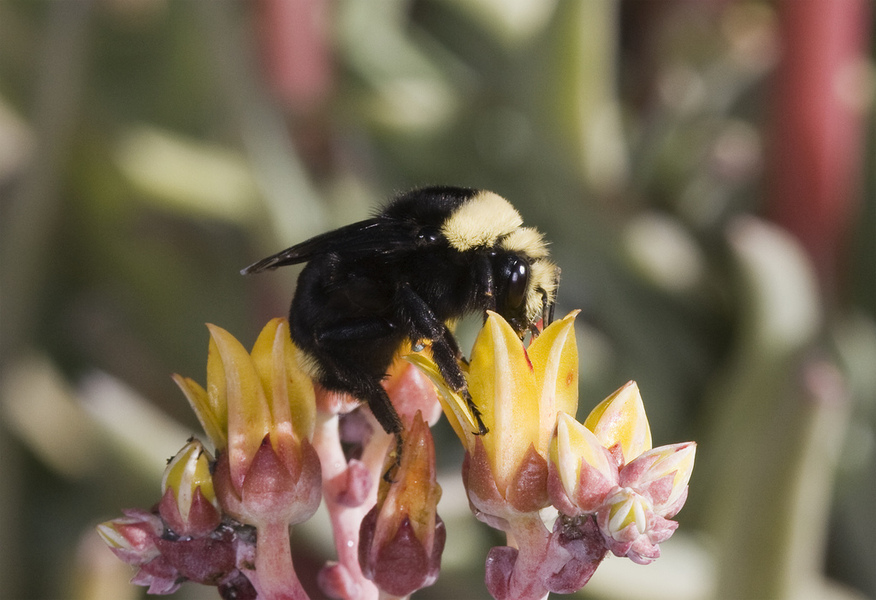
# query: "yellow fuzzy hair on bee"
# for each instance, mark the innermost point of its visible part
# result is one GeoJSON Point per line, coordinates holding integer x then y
{"type": "Point", "coordinates": [481, 221]}
{"type": "Point", "coordinates": [526, 240]}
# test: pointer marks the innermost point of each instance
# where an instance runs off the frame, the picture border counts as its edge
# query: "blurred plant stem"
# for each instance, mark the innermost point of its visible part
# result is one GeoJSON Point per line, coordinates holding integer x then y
{"type": "Point", "coordinates": [780, 422]}
{"type": "Point", "coordinates": [818, 108]}
{"type": "Point", "coordinates": [33, 214]}
{"type": "Point", "coordinates": [776, 429]}
{"type": "Point", "coordinates": [35, 205]}
{"type": "Point", "coordinates": [583, 94]}
{"type": "Point", "coordinates": [293, 208]}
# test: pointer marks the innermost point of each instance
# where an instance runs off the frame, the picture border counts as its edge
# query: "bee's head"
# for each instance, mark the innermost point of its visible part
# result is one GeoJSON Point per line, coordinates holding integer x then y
{"type": "Point", "coordinates": [524, 280]}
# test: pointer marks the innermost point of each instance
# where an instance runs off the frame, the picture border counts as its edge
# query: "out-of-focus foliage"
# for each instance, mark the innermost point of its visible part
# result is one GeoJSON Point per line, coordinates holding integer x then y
{"type": "Point", "coordinates": [149, 149]}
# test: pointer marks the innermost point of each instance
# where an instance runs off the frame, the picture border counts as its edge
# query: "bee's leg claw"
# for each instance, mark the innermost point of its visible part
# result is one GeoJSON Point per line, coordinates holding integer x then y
{"type": "Point", "coordinates": [476, 413]}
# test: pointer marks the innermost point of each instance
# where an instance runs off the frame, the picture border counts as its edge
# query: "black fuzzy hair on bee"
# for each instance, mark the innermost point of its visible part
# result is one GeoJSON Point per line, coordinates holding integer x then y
{"type": "Point", "coordinates": [431, 256]}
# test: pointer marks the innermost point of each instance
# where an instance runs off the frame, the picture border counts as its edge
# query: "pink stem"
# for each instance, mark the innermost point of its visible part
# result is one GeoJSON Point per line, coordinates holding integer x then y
{"type": "Point", "coordinates": [533, 564]}
{"type": "Point", "coordinates": [274, 576]}
{"type": "Point", "coordinates": [346, 520]}
{"type": "Point", "coordinates": [331, 457]}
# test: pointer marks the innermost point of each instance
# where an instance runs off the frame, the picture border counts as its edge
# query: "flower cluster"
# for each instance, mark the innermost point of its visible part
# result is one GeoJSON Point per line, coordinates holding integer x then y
{"type": "Point", "coordinates": [226, 522]}
{"type": "Point", "coordinates": [607, 468]}
{"type": "Point", "coordinates": [282, 445]}
{"type": "Point", "coordinates": [613, 491]}
{"type": "Point", "coordinates": [184, 538]}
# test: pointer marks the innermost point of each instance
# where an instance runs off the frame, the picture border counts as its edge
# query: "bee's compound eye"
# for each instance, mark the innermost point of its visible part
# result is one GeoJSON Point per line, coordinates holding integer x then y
{"type": "Point", "coordinates": [517, 283]}
{"type": "Point", "coordinates": [429, 235]}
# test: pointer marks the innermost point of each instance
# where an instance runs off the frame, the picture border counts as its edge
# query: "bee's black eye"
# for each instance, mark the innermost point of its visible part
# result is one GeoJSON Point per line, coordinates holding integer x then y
{"type": "Point", "coordinates": [517, 283]}
{"type": "Point", "coordinates": [428, 235]}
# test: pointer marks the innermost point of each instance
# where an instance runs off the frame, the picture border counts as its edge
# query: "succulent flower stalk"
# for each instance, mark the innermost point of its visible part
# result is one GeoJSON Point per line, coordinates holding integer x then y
{"type": "Point", "coordinates": [259, 410]}
{"type": "Point", "coordinates": [519, 391]}
{"type": "Point", "coordinates": [352, 448]}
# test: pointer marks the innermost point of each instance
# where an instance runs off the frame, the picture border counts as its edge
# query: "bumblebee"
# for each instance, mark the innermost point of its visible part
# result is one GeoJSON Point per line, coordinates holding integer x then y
{"type": "Point", "coordinates": [430, 257]}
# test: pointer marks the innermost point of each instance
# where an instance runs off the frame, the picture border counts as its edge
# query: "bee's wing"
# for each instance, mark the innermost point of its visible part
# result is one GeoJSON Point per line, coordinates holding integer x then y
{"type": "Point", "coordinates": [369, 237]}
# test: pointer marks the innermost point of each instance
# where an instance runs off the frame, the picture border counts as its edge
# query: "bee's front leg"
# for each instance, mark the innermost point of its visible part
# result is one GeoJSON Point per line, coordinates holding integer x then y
{"type": "Point", "coordinates": [424, 324]}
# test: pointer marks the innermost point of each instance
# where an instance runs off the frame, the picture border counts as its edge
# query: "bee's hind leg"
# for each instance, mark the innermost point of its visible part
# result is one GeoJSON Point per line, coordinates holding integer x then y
{"type": "Point", "coordinates": [385, 413]}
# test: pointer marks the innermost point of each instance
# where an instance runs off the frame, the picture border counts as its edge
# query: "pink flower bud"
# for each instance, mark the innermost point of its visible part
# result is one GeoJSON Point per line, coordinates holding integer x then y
{"type": "Point", "coordinates": [401, 539]}
{"type": "Point", "coordinates": [581, 539]}
{"type": "Point", "coordinates": [188, 504]}
{"type": "Point", "coordinates": [499, 569]}
{"type": "Point", "coordinates": [132, 537]}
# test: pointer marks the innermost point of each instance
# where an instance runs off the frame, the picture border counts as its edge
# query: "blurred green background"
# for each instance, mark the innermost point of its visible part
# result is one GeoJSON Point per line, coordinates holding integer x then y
{"type": "Point", "coordinates": [704, 171]}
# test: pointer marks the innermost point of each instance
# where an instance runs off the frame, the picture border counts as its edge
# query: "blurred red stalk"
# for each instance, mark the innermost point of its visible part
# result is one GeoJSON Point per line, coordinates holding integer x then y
{"type": "Point", "coordinates": [295, 51]}
{"type": "Point", "coordinates": [817, 133]}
